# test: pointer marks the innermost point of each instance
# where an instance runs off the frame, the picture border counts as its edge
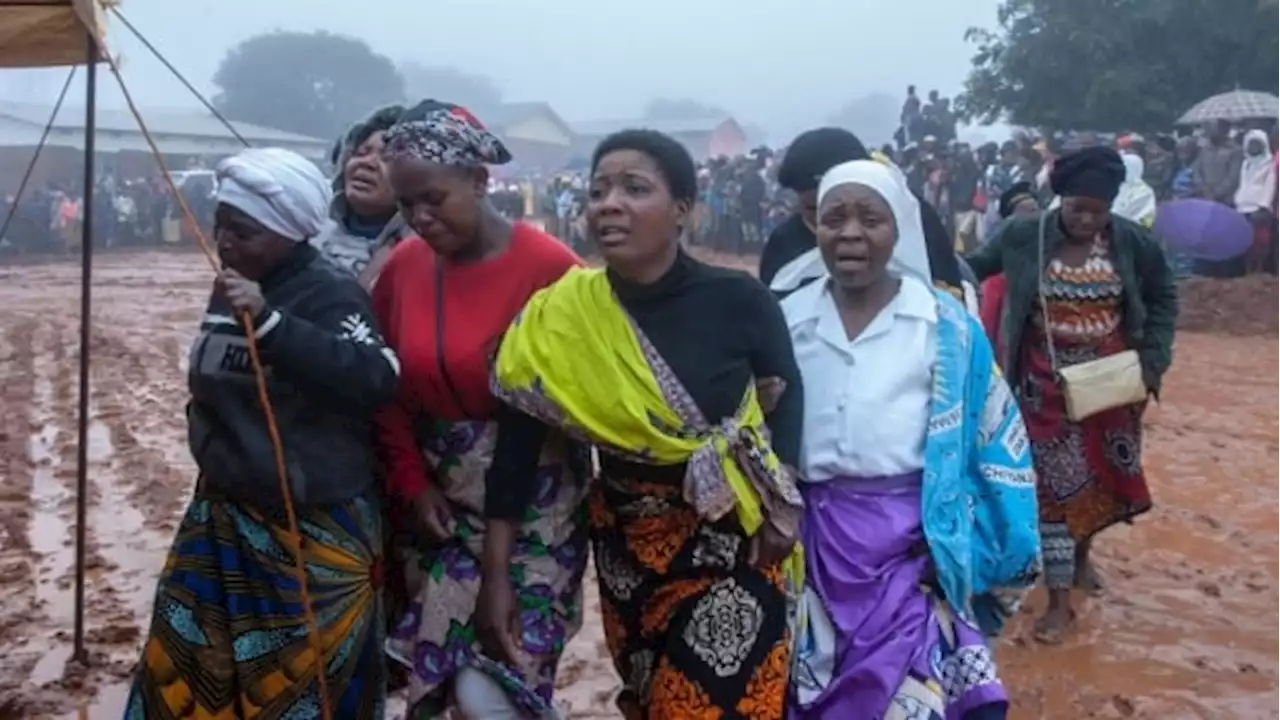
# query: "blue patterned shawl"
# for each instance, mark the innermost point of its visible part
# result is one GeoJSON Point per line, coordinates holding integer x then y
{"type": "Point", "coordinates": [979, 496]}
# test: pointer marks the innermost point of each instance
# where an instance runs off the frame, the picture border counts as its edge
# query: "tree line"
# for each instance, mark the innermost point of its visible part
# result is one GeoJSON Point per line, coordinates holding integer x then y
{"type": "Point", "coordinates": [1112, 65]}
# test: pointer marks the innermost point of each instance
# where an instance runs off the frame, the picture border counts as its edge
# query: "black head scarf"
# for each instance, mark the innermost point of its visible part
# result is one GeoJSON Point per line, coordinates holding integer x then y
{"type": "Point", "coordinates": [1093, 172]}
{"type": "Point", "coordinates": [813, 153]}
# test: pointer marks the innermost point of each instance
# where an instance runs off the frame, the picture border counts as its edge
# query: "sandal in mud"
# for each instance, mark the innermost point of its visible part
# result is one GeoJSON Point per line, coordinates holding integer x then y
{"type": "Point", "coordinates": [1053, 635]}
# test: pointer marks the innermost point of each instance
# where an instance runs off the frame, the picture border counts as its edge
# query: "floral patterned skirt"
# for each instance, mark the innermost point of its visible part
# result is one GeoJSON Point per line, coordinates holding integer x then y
{"type": "Point", "coordinates": [695, 631]}
{"type": "Point", "coordinates": [1089, 473]}
{"type": "Point", "coordinates": [436, 636]}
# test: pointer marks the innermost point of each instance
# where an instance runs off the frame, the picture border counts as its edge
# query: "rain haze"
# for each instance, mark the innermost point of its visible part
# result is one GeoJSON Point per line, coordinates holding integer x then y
{"type": "Point", "coordinates": [780, 67]}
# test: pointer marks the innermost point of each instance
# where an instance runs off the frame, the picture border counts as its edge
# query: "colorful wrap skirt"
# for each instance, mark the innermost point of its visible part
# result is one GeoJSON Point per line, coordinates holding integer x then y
{"type": "Point", "coordinates": [878, 640]}
{"type": "Point", "coordinates": [436, 637]}
{"type": "Point", "coordinates": [694, 629]}
{"type": "Point", "coordinates": [228, 638]}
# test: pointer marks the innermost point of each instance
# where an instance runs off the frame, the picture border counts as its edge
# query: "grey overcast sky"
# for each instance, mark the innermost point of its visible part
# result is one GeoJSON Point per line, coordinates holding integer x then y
{"type": "Point", "coordinates": [781, 64]}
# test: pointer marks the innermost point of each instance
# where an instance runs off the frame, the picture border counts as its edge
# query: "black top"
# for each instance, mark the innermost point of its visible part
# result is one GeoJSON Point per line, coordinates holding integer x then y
{"type": "Point", "coordinates": [717, 329]}
{"type": "Point", "coordinates": [328, 372]}
{"type": "Point", "coordinates": [787, 242]}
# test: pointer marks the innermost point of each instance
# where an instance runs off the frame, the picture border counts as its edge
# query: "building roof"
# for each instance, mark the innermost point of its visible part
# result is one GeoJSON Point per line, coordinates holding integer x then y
{"type": "Point", "coordinates": [505, 115]}
{"type": "Point", "coordinates": [671, 126]}
{"type": "Point", "coordinates": [174, 122]}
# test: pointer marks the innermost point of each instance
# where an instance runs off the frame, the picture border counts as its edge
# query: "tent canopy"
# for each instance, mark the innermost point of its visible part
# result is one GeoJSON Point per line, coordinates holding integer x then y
{"type": "Point", "coordinates": [45, 33]}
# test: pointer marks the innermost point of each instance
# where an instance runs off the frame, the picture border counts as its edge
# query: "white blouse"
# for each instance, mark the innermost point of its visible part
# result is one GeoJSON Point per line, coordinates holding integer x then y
{"type": "Point", "coordinates": [866, 400]}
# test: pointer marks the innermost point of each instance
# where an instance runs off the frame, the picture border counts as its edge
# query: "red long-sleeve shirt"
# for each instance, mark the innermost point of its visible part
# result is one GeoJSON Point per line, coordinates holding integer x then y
{"type": "Point", "coordinates": [454, 337]}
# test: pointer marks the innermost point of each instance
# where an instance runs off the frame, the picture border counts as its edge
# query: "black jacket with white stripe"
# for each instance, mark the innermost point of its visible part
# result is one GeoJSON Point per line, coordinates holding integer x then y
{"type": "Point", "coordinates": [328, 371]}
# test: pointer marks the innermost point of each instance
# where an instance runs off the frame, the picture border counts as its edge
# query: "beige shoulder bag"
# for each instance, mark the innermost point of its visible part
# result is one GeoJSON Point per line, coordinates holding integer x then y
{"type": "Point", "coordinates": [1091, 387]}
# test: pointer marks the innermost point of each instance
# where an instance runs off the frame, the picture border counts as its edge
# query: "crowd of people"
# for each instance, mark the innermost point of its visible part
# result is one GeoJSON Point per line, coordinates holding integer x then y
{"type": "Point", "coordinates": [820, 493]}
{"type": "Point", "coordinates": [134, 212]}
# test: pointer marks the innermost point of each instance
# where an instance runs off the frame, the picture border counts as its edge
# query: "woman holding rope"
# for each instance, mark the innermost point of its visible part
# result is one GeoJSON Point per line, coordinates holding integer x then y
{"type": "Point", "coordinates": [232, 630]}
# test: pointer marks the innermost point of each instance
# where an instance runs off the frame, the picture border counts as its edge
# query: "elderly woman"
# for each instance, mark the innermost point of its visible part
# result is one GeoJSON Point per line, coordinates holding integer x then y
{"type": "Point", "coordinates": [231, 635]}
{"type": "Point", "coordinates": [445, 297]}
{"type": "Point", "coordinates": [654, 359]}
{"type": "Point", "coordinates": [1104, 287]}
{"type": "Point", "coordinates": [791, 260]}
{"type": "Point", "coordinates": [920, 530]}
{"type": "Point", "coordinates": [365, 223]}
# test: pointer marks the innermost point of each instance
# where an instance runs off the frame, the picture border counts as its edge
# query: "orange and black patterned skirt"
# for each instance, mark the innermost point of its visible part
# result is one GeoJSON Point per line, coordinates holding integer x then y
{"type": "Point", "coordinates": [695, 631]}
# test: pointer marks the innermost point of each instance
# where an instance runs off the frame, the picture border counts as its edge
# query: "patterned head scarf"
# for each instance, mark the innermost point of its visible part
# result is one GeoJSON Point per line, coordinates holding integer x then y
{"type": "Point", "coordinates": [446, 134]}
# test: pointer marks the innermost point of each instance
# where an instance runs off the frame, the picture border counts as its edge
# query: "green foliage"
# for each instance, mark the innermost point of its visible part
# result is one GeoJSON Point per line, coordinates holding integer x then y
{"type": "Point", "coordinates": [314, 84]}
{"type": "Point", "coordinates": [1116, 64]}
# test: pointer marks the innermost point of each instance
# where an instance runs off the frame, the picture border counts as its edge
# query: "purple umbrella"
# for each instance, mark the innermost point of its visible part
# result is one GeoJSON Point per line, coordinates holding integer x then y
{"type": "Point", "coordinates": [1203, 229]}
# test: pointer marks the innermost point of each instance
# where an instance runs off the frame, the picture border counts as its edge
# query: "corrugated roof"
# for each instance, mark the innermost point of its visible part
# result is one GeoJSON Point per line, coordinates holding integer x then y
{"type": "Point", "coordinates": [672, 126]}
{"type": "Point", "coordinates": [191, 123]}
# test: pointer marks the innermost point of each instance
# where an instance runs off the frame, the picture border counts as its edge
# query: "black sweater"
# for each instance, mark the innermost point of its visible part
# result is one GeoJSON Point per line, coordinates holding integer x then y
{"type": "Point", "coordinates": [328, 371]}
{"type": "Point", "coordinates": [717, 329]}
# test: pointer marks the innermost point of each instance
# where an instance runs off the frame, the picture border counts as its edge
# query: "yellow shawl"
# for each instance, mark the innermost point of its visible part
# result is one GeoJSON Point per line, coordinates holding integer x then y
{"type": "Point", "coordinates": [573, 359]}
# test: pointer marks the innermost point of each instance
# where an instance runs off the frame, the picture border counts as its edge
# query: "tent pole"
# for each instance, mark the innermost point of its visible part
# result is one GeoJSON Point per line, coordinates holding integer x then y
{"type": "Point", "coordinates": [80, 654]}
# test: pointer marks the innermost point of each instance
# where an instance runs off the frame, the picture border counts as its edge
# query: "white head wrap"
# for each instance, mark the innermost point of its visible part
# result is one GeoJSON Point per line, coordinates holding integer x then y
{"type": "Point", "coordinates": [1257, 188]}
{"type": "Point", "coordinates": [1136, 200]}
{"type": "Point", "coordinates": [279, 188]}
{"type": "Point", "coordinates": [910, 253]}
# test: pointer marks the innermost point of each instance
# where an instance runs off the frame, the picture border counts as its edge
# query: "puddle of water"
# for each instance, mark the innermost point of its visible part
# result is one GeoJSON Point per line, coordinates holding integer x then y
{"type": "Point", "coordinates": [109, 705]}
{"type": "Point", "coordinates": [47, 532]}
{"type": "Point", "coordinates": [100, 447]}
{"type": "Point", "coordinates": [52, 664]}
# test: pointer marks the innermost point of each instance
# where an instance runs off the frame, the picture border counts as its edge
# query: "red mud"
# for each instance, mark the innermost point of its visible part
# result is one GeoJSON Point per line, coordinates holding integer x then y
{"type": "Point", "coordinates": [1187, 630]}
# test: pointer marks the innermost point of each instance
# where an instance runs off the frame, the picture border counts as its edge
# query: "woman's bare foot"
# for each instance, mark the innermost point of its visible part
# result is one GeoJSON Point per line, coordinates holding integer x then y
{"type": "Point", "coordinates": [1055, 624]}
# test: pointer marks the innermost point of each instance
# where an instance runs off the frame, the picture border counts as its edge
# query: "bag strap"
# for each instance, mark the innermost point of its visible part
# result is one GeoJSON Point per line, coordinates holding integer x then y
{"type": "Point", "coordinates": [1044, 306]}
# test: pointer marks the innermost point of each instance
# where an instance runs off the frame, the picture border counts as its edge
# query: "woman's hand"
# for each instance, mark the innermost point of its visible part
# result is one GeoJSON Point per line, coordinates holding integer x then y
{"type": "Point", "coordinates": [769, 547]}
{"type": "Point", "coordinates": [497, 617]}
{"type": "Point", "coordinates": [432, 510]}
{"type": "Point", "coordinates": [244, 294]}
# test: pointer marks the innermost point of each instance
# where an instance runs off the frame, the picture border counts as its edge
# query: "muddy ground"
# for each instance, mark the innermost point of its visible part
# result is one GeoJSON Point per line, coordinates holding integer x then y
{"type": "Point", "coordinates": [1187, 629]}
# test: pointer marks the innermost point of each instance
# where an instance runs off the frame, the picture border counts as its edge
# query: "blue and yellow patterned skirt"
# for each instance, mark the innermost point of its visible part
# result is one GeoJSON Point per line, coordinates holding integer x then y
{"type": "Point", "coordinates": [228, 637]}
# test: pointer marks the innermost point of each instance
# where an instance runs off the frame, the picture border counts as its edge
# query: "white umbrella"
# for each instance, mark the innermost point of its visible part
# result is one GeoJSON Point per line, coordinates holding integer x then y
{"type": "Point", "coordinates": [1233, 106]}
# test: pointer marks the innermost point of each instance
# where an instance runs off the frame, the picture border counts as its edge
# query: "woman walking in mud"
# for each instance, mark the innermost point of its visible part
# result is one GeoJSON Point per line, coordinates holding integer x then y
{"type": "Point", "coordinates": [921, 533]}
{"type": "Point", "coordinates": [1083, 284]}
{"type": "Point", "coordinates": [695, 516]}
{"type": "Point", "coordinates": [444, 298]}
{"type": "Point", "coordinates": [229, 637]}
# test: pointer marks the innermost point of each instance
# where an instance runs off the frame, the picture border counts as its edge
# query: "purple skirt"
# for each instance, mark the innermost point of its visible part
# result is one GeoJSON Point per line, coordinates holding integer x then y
{"type": "Point", "coordinates": [898, 650]}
